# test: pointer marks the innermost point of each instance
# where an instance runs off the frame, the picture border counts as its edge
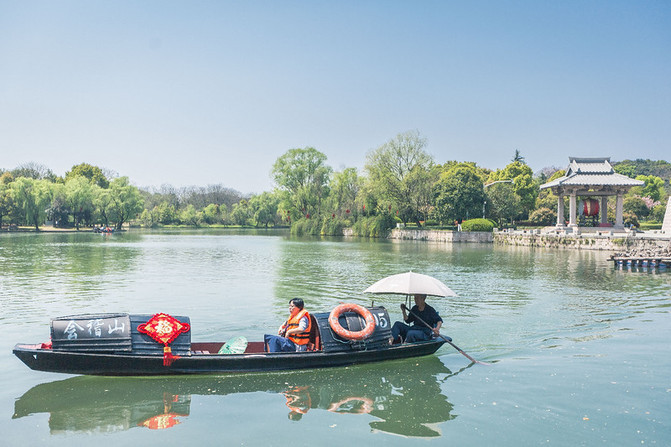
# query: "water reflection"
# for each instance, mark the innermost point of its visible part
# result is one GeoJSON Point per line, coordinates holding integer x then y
{"type": "Point", "coordinates": [405, 397]}
{"type": "Point", "coordinates": [75, 265]}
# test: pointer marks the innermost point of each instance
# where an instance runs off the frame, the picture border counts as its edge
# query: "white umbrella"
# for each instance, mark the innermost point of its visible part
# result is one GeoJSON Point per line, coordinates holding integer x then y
{"type": "Point", "coordinates": [409, 284]}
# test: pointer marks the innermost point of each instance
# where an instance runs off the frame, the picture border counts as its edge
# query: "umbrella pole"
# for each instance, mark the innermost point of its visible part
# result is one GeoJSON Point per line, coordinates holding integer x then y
{"type": "Point", "coordinates": [446, 339]}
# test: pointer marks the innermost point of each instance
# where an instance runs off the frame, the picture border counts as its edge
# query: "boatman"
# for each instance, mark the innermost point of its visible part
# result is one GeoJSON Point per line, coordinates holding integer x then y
{"type": "Point", "coordinates": [294, 334]}
{"type": "Point", "coordinates": [420, 313]}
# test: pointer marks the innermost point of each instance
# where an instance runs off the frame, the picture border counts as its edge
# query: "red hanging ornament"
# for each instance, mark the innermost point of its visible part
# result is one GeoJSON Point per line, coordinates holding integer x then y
{"type": "Point", "coordinates": [161, 421]}
{"type": "Point", "coordinates": [347, 210]}
{"type": "Point", "coordinates": [332, 215]}
{"type": "Point", "coordinates": [164, 329]}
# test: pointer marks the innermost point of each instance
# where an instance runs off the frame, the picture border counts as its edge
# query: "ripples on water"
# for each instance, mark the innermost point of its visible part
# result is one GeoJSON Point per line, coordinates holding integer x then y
{"type": "Point", "coordinates": [217, 277]}
{"type": "Point", "coordinates": [540, 314]}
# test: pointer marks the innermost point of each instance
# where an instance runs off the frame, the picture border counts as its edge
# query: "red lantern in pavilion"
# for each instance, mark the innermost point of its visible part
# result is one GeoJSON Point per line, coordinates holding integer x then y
{"type": "Point", "coordinates": [590, 207]}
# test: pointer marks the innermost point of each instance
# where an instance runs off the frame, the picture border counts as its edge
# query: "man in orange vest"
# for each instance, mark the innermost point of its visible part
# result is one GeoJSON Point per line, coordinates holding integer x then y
{"type": "Point", "coordinates": [294, 334]}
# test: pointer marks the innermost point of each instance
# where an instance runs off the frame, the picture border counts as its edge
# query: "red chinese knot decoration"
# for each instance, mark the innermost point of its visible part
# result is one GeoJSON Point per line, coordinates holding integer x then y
{"type": "Point", "coordinates": [162, 421]}
{"type": "Point", "coordinates": [164, 329]}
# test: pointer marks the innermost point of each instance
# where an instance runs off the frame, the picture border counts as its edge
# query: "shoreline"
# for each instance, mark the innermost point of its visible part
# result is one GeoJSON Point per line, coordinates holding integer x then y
{"type": "Point", "coordinates": [581, 240]}
{"type": "Point", "coordinates": [597, 240]}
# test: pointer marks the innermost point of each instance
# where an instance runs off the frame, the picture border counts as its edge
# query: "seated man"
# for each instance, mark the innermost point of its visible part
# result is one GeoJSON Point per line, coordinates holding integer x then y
{"type": "Point", "coordinates": [418, 331]}
{"type": "Point", "coordinates": [294, 334]}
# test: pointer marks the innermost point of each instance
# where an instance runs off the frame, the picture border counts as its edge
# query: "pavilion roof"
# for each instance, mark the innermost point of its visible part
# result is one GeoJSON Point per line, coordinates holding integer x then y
{"type": "Point", "coordinates": [591, 172]}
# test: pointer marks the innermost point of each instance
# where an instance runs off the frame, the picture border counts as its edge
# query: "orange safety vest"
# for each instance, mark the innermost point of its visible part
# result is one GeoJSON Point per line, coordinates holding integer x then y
{"type": "Point", "coordinates": [300, 338]}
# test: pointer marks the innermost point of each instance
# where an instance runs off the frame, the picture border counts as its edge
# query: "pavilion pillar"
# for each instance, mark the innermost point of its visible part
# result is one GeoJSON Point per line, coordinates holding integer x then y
{"type": "Point", "coordinates": [604, 209]}
{"type": "Point", "coordinates": [619, 222]}
{"type": "Point", "coordinates": [572, 210]}
{"type": "Point", "coordinates": [560, 211]}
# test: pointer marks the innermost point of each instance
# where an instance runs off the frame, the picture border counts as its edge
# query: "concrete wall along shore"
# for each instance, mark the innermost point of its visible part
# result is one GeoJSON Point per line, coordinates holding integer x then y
{"type": "Point", "coordinates": [616, 242]}
{"type": "Point", "coordinates": [442, 236]}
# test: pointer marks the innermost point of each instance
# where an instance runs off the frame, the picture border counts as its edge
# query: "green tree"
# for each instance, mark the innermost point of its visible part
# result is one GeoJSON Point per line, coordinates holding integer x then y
{"type": "Point", "coordinates": [241, 213]}
{"type": "Point", "coordinates": [264, 208]}
{"type": "Point", "coordinates": [627, 168]}
{"type": "Point", "coordinates": [34, 171]}
{"type": "Point", "coordinates": [634, 168]}
{"type": "Point", "coordinates": [389, 169]}
{"type": "Point", "coordinates": [189, 216]}
{"type": "Point", "coordinates": [150, 218]}
{"type": "Point", "coordinates": [59, 210]}
{"type": "Point", "coordinates": [420, 182]}
{"type": "Point", "coordinates": [127, 202]}
{"type": "Point", "coordinates": [80, 195]}
{"type": "Point", "coordinates": [523, 184]}
{"type": "Point", "coordinates": [657, 213]}
{"type": "Point", "coordinates": [212, 214]}
{"type": "Point", "coordinates": [6, 199]}
{"type": "Point", "coordinates": [502, 202]}
{"type": "Point", "coordinates": [33, 198]}
{"type": "Point", "coordinates": [167, 213]}
{"type": "Point", "coordinates": [636, 205]}
{"type": "Point", "coordinates": [459, 193]}
{"type": "Point", "coordinates": [304, 174]}
{"type": "Point", "coordinates": [103, 203]}
{"type": "Point", "coordinates": [543, 216]}
{"type": "Point", "coordinates": [345, 187]}
{"type": "Point", "coordinates": [653, 188]}
{"type": "Point", "coordinates": [93, 173]}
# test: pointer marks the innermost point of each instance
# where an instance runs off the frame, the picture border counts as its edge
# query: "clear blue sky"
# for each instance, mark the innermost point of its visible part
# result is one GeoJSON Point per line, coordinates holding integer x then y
{"type": "Point", "coordinates": [205, 92]}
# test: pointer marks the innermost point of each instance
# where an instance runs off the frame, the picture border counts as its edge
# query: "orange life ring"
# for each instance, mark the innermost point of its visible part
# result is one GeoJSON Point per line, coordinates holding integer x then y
{"type": "Point", "coordinates": [359, 310]}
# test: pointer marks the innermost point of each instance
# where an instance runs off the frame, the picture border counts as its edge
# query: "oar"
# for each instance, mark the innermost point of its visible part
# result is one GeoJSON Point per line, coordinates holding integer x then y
{"type": "Point", "coordinates": [445, 338]}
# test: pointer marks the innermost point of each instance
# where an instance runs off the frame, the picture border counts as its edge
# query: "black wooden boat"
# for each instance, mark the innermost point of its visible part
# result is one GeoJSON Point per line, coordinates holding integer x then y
{"type": "Point", "coordinates": [120, 345]}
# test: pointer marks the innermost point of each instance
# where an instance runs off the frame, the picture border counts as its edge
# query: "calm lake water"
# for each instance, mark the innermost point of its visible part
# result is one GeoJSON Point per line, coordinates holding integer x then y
{"type": "Point", "coordinates": [580, 349]}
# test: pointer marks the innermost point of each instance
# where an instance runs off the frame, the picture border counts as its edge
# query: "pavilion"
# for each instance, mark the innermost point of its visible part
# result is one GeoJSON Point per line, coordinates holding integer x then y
{"type": "Point", "coordinates": [590, 177]}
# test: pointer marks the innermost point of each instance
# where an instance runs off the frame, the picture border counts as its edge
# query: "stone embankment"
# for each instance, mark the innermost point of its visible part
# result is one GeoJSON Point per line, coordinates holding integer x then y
{"type": "Point", "coordinates": [645, 252]}
{"type": "Point", "coordinates": [442, 235]}
{"type": "Point", "coordinates": [648, 243]}
{"type": "Point", "coordinates": [622, 243]}
{"type": "Point", "coordinates": [616, 242]}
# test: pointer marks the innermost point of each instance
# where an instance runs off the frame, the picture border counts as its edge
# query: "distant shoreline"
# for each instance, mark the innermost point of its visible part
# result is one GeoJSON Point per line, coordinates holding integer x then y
{"type": "Point", "coordinates": [527, 238]}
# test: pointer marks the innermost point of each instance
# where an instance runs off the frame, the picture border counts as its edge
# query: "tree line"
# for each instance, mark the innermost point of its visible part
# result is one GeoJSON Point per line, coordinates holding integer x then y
{"type": "Point", "coordinates": [400, 183]}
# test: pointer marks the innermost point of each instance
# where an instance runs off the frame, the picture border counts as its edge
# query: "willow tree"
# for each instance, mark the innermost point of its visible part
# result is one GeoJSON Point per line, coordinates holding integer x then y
{"type": "Point", "coordinates": [345, 187]}
{"type": "Point", "coordinates": [126, 201]}
{"type": "Point", "coordinates": [399, 172]}
{"type": "Point", "coordinates": [33, 198]}
{"type": "Point", "coordinates": [303, 173]}
{"type": "Point", "coordinates": [80, 196]}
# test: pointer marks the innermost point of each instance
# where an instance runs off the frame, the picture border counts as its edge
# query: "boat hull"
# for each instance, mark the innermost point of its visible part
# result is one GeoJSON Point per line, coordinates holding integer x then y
{"type": "Point", "coordinates": [129, 364]}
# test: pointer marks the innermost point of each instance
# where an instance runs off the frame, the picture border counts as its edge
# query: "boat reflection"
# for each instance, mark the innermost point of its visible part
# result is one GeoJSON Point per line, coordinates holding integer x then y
{"type": "Point", "coordinates": [405, 397]}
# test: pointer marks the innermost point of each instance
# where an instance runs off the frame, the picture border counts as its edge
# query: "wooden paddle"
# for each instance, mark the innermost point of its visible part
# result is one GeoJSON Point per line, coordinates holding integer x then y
{"type": "Point", "coordinates": [445, 338]}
